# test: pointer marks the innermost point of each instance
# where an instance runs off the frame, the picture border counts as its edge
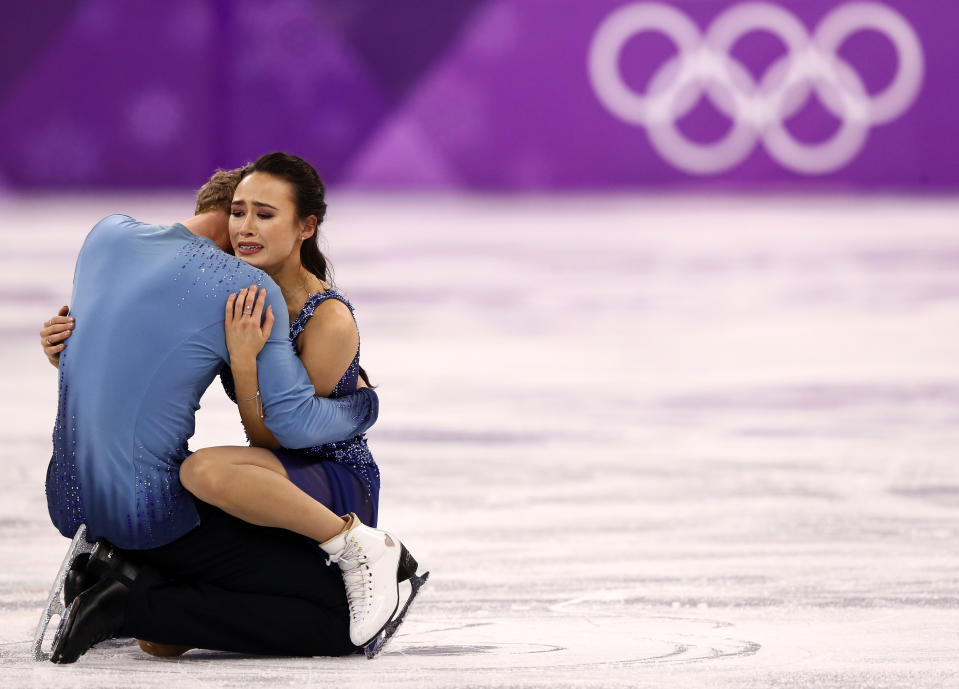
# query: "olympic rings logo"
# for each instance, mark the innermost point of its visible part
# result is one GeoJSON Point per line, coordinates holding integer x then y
{"type": "Point", "coordinates": [758, 110]}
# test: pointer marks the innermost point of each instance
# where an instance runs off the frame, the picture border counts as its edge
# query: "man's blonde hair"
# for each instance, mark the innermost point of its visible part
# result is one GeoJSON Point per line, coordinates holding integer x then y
{"type": "Point", "coordinates": [217, 194]}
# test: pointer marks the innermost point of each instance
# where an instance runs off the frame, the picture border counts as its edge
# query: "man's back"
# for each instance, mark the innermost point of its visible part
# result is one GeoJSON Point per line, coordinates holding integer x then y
{"type": "Point", "coordinates": [149, 304]}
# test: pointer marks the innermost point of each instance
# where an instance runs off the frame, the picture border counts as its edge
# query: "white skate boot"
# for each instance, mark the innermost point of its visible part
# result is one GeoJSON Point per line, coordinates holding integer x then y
{"type": "Point", "coordinates": [373, 564]}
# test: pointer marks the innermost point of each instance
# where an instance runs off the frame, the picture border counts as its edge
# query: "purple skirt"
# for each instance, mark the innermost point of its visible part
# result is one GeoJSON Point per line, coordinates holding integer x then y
{"type": "Point", "coordinates": [343, 486]}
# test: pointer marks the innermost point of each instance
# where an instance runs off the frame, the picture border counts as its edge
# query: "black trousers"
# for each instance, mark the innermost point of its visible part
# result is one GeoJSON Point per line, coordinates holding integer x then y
{"type": "Point", "coordinates": [231, 586]}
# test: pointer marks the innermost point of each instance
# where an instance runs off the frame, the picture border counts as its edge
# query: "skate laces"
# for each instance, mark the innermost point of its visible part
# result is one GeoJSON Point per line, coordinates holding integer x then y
{"type": "Point", "coordinates": [352, 562]}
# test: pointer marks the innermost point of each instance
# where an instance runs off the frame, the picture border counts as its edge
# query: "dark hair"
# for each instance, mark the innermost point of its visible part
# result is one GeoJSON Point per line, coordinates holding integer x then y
{"type": "Point", "coordinates": [309, 197]}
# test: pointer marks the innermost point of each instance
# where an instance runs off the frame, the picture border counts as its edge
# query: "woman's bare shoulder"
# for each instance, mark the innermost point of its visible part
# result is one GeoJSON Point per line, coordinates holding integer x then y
{"type": "Point", "coordinates": [332, 321]}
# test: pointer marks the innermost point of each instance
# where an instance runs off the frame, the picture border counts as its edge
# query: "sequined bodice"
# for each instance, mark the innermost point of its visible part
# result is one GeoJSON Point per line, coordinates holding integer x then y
{"type": "Point", "coordinates": [346, 384]}
{"type": "Point", "coordinates": [354, 451]}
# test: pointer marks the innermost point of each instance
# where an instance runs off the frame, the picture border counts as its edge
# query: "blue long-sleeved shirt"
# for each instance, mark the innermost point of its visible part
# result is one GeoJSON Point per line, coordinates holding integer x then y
{"type": "Point", "coordinates": [149, 303]}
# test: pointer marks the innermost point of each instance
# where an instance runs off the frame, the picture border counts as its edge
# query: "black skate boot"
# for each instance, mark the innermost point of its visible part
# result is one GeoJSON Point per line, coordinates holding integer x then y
{"type": "Point", "coordinates": [97, 613]}
{"type": "Point", "coordinates": [78, 579]}
{"type": "Point", "coordinates": [79, 548]}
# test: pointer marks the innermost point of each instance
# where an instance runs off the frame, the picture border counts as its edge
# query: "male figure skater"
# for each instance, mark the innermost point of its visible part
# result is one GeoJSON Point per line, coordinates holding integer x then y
{"type": "Point", "coordinates": [151, 301]}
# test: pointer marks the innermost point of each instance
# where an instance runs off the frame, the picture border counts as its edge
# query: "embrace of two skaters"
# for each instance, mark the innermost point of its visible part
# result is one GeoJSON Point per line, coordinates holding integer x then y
{"type": "Point", "coordinates": [267, 549]}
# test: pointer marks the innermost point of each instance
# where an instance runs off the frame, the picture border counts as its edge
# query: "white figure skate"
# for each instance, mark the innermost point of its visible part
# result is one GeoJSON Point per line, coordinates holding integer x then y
{"type": "Point", "coordinates": [55, 603]}
{"type": "Point", "coordinates": [373, 564]}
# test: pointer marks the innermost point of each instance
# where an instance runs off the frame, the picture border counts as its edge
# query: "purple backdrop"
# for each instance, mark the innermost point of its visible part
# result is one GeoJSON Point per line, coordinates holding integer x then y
{"type": "Point", "coordinates": [483, 94]}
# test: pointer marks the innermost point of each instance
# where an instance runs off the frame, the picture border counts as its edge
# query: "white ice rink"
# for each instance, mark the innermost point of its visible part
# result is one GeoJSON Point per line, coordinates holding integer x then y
{"type": "Point", "coordinates": [661, 442]}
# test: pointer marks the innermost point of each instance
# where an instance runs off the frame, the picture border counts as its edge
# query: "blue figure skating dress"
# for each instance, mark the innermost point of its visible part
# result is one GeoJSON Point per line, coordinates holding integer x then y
{"type": "Point", "coordinates": [341, 475]}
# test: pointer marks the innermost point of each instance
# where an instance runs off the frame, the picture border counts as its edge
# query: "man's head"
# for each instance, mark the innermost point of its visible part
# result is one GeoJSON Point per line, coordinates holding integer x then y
{"type": "Point", "coordinates": [211, 217]}
{"type": "Point", "coordinates": [217, 194]}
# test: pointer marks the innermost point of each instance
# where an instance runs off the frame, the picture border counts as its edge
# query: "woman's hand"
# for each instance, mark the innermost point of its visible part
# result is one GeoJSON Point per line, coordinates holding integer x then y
{"type": "Point", "coordinates": [245, 337]}
{"type": "Point", "coordinates": [54, 333]}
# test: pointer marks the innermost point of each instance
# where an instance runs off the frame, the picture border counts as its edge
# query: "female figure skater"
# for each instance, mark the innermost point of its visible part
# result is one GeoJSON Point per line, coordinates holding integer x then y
{"type": "Point", "coordinates": [276, 209]}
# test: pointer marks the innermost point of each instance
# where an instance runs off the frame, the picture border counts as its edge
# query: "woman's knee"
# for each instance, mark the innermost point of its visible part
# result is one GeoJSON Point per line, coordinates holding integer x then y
{"type": "Point", "coordinates": [198, 473]}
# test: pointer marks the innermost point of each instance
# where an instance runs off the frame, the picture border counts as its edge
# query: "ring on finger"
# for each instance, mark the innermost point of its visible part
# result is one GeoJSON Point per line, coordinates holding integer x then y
{"type": "Point", "coordinates": [47, 340]}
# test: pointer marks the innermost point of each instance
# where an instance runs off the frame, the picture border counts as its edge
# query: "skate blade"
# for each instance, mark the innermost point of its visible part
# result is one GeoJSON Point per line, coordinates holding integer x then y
{"type": "Point", "coordinates": [55, 606]}
{"type": "Point", "coordinates": [55, 655]}
{"type": "Point", "coordinates": [376, 646]}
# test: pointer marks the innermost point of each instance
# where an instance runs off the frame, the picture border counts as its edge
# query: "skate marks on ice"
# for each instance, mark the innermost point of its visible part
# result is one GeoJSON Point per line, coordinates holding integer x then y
{"type": "Point", "coordinates": [693, 639]}
{"type": "Point", "coordinates": [580, 642]}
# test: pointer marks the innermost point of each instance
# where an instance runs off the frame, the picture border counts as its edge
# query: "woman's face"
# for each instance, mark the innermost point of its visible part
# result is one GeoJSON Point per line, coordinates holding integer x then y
{"type": "Point", "coordinates": [264, 229]}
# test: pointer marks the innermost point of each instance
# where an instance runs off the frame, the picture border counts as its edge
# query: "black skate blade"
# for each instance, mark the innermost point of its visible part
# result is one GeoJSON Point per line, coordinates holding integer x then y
{"type": "Point", "coordinates": [376, 646]}
{"type": "Point", "coordinates": [55, 606]}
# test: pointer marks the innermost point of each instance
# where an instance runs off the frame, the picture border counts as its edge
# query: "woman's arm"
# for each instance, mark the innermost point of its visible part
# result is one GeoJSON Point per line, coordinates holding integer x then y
{"type": "Point", "coordinates": [295, 415]}
{"type": "Point", "coordinates": [247, 386]}
{"type": "Point", "coordinates": [328, 345]}
{"type": "Point", "coordinates": [245, 338]}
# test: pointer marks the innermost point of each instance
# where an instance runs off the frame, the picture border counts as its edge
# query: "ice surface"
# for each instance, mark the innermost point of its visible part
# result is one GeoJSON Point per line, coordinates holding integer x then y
{"type": "Point", "coordinates": [639, 442]}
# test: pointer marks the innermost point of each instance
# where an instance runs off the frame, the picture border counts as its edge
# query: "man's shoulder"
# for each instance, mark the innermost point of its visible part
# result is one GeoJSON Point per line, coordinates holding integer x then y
{"type": "Point", "coordinates": [242, 274]}
{"type": "Point", "coordinates": [115, 220]}
{"type": "Point", "coordinates": [233, 274]}
{"type": "Point", "coordinates": [107, 232]}
{"type": "Point", "coordinates": [118, 225]}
